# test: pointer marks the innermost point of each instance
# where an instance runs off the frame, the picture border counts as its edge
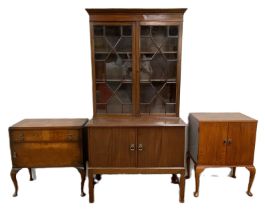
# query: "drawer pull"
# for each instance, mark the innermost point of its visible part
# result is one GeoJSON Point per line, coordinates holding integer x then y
{"type": "Point", "coordinates": [14, 155]}
{"type": "Point", "coordinates": [229, 141]}
{"type": "Point", "coordinates": [132, 147]}
{"type": "Point", "coordinates": [140, 147]}
{"type": "Point", "coordinates": [225, 141]}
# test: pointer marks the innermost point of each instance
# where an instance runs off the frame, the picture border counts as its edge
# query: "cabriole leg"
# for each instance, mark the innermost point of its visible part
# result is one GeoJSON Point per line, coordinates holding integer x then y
{"type": "Point", "coordinates": [82, 172]}
{"type": "Point", "coordinates": [233, 172]}
{"type": "Point", "coordinates": [252, 172]}
{"type": "Point", "coordinates": [198, 171]}
{"type": "Point", "coordinates": [32, 174]}
{"type": "Point", "coordinates": [13, 175]}
{"type": "Point", "coordinates": [182, 187]}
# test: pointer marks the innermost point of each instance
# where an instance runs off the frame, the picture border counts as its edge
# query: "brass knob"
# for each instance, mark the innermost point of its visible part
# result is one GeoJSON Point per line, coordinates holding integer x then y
{"type": "Point", "coordinates": [132, 147]}
{"type": "Point", "coordinates": [140, 147]}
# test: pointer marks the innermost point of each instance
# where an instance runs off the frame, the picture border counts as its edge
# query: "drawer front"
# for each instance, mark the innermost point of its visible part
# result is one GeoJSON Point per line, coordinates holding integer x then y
{"type": "Point", "coordinates": [45, 135]}
{"type": "Point", "coordinates": [161, 147]}
{"type": "Point", "coordinates": [46, 154]}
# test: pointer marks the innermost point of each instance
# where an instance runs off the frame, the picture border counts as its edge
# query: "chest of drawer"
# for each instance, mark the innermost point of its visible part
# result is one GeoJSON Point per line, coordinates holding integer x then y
{"type": "Point", "coordinates": [45, 135]}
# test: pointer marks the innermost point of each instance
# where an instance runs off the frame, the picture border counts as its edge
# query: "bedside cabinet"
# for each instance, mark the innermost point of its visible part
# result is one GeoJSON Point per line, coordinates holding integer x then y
{"type": "Point", "coordinates": [41, 143]}
{"type": "Point", "coordinates": [221, 140]}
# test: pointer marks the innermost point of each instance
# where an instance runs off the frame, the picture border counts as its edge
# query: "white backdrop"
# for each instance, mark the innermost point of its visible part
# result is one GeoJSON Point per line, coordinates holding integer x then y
{"type": "Point", "coordinates": [45, 72]}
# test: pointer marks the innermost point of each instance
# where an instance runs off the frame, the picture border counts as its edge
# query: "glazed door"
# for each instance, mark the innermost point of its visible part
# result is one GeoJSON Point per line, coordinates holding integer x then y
{"type": "Point", "coordinates": [159, 47]}
{"type": "Point", "coordinates": [112, 147]}
{"type": "Point", "coordinates": [161, 147]}
{"type": "Point", "coordinates": [241, 143]}
{"type": "Point", "coordinates": [212, 143]}
{"type": "Point", "coordinates": [113, 67]}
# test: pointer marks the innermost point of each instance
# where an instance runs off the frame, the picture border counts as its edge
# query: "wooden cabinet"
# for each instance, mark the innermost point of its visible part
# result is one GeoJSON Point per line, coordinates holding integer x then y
{"type": "Point", "coordinates": [42, 143]}
{"type": "Point", "coordinates": [222, 139]}
{"type": "Point", "coordinates": [136, 145]}
{"type": "Point", "coordinates": [136, 70]}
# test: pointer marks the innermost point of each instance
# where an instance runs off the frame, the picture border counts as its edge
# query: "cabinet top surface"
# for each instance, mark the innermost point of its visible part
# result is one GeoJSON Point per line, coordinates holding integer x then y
{"type": "Point", "coordinates": [135, 10]}
{"type": "Point", "coordinates": [136, 122]}
{"type": "Point", "coordinates": [50, 123]}
{"type": "Point", "coordinates": [225, 116]}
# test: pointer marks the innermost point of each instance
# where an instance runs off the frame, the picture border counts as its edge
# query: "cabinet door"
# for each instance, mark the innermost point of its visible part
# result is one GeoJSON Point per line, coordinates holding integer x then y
{"type": "Point", "coordinates": [241, 143]}
{"type": "Point", "coordinates": [113, 67]}
{"type": "Point", "coordinates": [159, 46]}
{"type": "Point", "coordinates": [112, 147]}
{"type": "Point", "coordinates": [212, 146]}
{"type": "Point", "coordinates": [161, 147]}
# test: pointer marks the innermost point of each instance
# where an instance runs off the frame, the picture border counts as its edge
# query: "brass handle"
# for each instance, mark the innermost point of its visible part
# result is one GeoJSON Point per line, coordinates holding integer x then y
{"type": "Point", "coordinates": [229, 141]}
{"type": "Point", "coordinates": [140, 147]}
{"type": "Point", "coordinates": [14, 154]}
{"type": "Point", "coordinates": [225, 141]}
{"type": "Point", "coordinates": [132, 147]}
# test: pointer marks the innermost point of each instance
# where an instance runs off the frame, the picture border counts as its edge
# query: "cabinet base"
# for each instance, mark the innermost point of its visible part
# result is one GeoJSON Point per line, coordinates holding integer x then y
{"type": "Point", "coordinates": [200, 168]}
{"type": "Point", "coordinates": [95, 173]}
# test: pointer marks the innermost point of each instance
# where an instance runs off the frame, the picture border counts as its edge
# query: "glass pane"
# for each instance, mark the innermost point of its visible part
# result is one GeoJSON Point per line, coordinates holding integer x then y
{"type": "Point", "coordinates": [171, 44]}
{"type": "Point", "coordinates": [148, 45]}
{"type": "Point", "coordinates": [98, 31]}
{"type": "Point", "coordinates": [171, 70]}
{"type": "Point", "coordinates": [145, 30]}
{"type": "Point", "coordinates": [101, 45]}
{"type": "Point", "coordinates": [103, 93]}
{"type": "Point", "coordinates": [173, 31]}
{"type": "Point", "coordinates": [114, 105]}
{"type": "Point", "coordinates": [100, 70]}
{"type": "Point", "coordinates": [147, 92]}
{"type": "Point", "coordinates": [101, 108]}
{"type": "Point", "coordinates": [159, 34]}
{"type": "Point", "coordinates": [124, 45]}
{"type": "Point", "coordinates": [113, 68]}
{"type": "Point", "coordinates": [127, 108]}
{"type": "Point", "coordinates": [158, 66]}
{"type": "Point", "coordinates": [168, 93]}
{"type": "Point", "coordinates": [157, 106]}
{"type": "Point", "coordinates": [125, 93]}
{"type": "Point", "coordinates": [126, 30]}
{"type": "Point", "coordinates": [170, 108]}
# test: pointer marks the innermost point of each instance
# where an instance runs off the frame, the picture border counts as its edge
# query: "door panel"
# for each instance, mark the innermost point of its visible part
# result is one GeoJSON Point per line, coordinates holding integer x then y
{"type": "Point", "coordinates": [162, 147]}
{"type": "Point", "coordinates": [212, 148]}
{"type": "Point", "coordinates": [241, 149]}
{"type": "Point", "coordinates": [110, 147]}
